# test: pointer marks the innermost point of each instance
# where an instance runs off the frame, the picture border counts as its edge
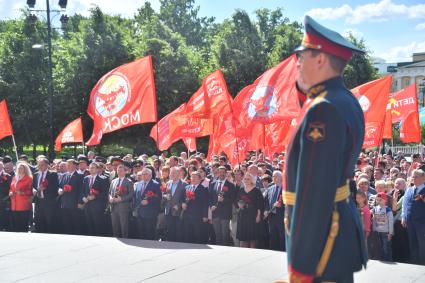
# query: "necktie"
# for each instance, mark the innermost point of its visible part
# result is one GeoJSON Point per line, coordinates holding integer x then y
{"type": "Point", "coordinates": [91, 181]}
{"type": "Point", "coordinates": [276, 193]}
{"type": "Point", "coordinates": [41, 179]}
{"type": "Point", "coordinates": [143, 188]}
{"type": "Point", "coordinates": [220, 185]}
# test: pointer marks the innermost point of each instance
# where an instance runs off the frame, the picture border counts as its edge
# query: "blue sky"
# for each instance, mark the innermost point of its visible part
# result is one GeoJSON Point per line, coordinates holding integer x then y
{"type": "Point", "coordinates": [392, 29]}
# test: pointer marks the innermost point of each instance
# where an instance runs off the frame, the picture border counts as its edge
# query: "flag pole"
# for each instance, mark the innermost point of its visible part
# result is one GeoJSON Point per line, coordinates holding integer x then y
{"type": "Point", "coordinates": [14, 147]}
{"type": "Point", "coordinates": [84, 151]}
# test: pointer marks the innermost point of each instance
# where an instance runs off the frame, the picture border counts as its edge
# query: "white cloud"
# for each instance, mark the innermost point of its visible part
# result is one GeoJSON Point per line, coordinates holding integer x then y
{"type": "Point", "coordinates": [375, 12]}
{"type": "Point", "coordinates": [420, 26]}
{"type": "Point", "coordinates": [403, 53]}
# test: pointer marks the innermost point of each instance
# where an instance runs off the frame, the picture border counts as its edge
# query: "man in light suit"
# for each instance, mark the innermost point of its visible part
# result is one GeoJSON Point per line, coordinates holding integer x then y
{"type": "Point", "coordinates": [147, 204]}
{"type": "Point", "coordinates": [45, 190]}
{"type": "Point", "coordinates": [274, 213]}
{"type": "Point", "coordinates": [413, 217]}
{"type": "Point", "coordinates": [174, 197]}
{"type": "Point", "coordinates": [120, 197]}
{"type": "Point", "coordinates": [70, 190]}
{"type": "Point", "coordinates": [222, 196]}
{"type": "Point", "coordinates": [93, 200]}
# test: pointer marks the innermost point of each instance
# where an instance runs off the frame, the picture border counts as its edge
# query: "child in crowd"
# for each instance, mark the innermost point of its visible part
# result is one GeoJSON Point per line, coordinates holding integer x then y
{"type": "Point", "coordinates": [361, 200]}
{"type": "Point", "coordinates": [383, 226]}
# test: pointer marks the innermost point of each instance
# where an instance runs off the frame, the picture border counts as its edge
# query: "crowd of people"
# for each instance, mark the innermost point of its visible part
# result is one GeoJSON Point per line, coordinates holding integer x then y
{"type": "Point", "coordinates": [187, 199]}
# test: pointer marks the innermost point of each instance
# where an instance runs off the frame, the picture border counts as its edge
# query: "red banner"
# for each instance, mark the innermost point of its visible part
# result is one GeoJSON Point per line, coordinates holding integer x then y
{"type": "Point", "coordinates": [211, 98]}
{"type": "Point", "coordinates": [123, 97]}
{"type": "Point", "coordinates": [373, 98]}
{"type": "Point", "coordinates": [388, 126]}
{"type": "Point", "coordinates": [271, 98]}
{"type": "Point", "coordinates": [72, 133]}
{"type": "Point", "coordinates": [190, 144]}
{"type": "Point", "coordinates": [162, 133]}
{"type": "Point", "coordinates": [403, 102]}
{"type": "Point", "coordinates": [410, 130]}
{"type": "Point", "coordinates": [5, 125]}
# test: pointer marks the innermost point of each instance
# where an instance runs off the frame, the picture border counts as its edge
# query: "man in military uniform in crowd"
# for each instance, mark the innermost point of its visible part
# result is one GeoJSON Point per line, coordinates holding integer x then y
{"type": "Point", "coordinates": [324, 234]}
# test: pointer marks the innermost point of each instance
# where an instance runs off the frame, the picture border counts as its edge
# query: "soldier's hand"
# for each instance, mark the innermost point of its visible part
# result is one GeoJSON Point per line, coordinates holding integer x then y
{"type": "Point", "coordinates": [184, 206]}
{"type": "Point", "coordinates": [266, 213]}
{"type": "Point", "coordinates": [60, 192]}
{"type": "Point", "coordinates": [258, 219]}
{"type": "Point", "coordinates": [213, 208]}
{"type": "Point", "coordinates": [34, 192]}
{"type": "Point", "coordinates": [85, 200]}
{"type": "Point", "coordinates": [144, 202]}
{"type": "Point", "coordinates": [205, 219]}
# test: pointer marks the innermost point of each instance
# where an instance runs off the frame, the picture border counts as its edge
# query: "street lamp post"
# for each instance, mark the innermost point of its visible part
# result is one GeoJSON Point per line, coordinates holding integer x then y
{"type": "Point", "coordinates": [63, 19]}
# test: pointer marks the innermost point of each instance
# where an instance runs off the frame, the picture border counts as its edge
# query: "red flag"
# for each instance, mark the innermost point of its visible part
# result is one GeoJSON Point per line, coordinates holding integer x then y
{"type": "Point", "coordinates": [164, 134]}
{"type": "Point", "coordinates": [5, 125]}
{"type": "Point", "coordinates": [373, 98]}
{"type": "Point", "coordinates": [72, 133]}
{"type": "Point", "coordinates": [211, 98]}
{"type": "Point", "coordinates": [410, 130]}
{"type": "Point", "coordinates": [276, 134]}
{"type": "Point", "coordinates": [271, 98]}
{"type": "Point", "coordinates": [403, 102]}
{"type": "Point", "coordinates": [388, 126]}
{"type": "Point", "coordinates": [190, 144]}
{"type": "Point", "coordinates": [123, 97]}
{"type": "Point", "coordinates": [186, 126]}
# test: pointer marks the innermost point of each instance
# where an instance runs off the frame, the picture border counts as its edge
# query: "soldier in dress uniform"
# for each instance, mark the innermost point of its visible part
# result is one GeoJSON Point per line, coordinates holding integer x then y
{"type": "Point", "coordinates": [324, 233]}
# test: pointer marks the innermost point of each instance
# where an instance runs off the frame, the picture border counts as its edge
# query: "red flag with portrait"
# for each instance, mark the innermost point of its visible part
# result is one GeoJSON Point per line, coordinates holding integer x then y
{"type": "Point", "coordinates": [5, 125]}
{"type": "Point", "coordinates": [373, 98]}
{"type": "Point", "coordinates": [271, 98]}
{"type": "Point", "coordinates": [123, 97]}
{"type": "Point", "coordinates": [72, 133]}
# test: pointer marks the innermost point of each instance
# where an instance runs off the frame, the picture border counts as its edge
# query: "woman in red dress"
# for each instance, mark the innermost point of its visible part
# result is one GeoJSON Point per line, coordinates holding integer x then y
{"type": "Point", "coordinates": [20, 194]}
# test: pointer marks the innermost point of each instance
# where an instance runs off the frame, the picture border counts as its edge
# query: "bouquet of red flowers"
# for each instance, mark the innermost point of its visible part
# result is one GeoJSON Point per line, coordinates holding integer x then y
{"type": "Point", "coordinates": [149, 195]}
{"type": "Point", "coordinates": [120, 191]}
{"type": "Point", "coordinates": [244, 201]}
{"type": "Point", "coordinates": [4, 178]}
{"type": "Point", "coordinates": [94, 192]}
{"type": "Point", "coordinates": [44, 184]}
{"type": "Point", "coordinates": [190, 196]}
{"type": "Point", "coordinates": [67, 188]}
{"type": "Point", "coordinates": [224, 190]}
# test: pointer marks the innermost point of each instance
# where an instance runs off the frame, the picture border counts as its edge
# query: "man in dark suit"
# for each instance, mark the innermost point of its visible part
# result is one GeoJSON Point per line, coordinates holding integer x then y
{"type": "Point", "coordinates": [71, 186]}
{"type": "Point", "coordinates": [413, 217]}
{"type": "Point", "coordinates": [195, 214]}
{"type": "Point", "coordinates": [174, 196]}
{"type": "Point", "coordinates": [147, 204]}
{"type": "Point", "coordinates": [93, 200]}
{"type": "Point", "coordinates": [5, 180]}
{"type": "Point", "coordinates": [324, 232]}
{"type": "Point", "coordinates": [120, 197]}
{"type": "Point", "coordinates": [222, 197]}
{"type": "Point", "coordinates": [45, 189]}
{"type": "Point", "coordinates": [274, 213]}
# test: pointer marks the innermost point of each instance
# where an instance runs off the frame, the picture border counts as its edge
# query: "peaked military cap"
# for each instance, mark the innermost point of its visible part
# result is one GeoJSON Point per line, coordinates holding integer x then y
{"type": "Point", "coordinates": [328, 41]}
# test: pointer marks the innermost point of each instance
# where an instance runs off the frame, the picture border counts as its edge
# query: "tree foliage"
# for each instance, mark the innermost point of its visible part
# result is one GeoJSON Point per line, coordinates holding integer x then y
{"type": "Point", "coordinates": [185, 48]}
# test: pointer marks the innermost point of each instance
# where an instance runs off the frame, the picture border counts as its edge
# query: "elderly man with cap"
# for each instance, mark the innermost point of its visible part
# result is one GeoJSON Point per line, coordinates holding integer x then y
{"type": "Point", "coordinates": [83, 165]}
{"type": "Point", "coordinates": [324, 233]}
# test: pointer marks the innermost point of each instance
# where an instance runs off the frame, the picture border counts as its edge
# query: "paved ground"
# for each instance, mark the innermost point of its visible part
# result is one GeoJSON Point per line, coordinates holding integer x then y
{"type": "Point", "coordinates": [58, 258]}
